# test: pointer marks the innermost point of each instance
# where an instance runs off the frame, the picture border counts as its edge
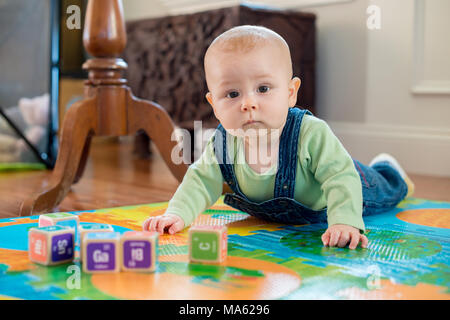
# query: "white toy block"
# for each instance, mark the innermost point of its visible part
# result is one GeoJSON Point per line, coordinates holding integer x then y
{"type": "Point", "coordinates": [139, 251]}
{"type": "Point", "coordinates": [207, 243]}
{"type": "Point", "coordinates": [86, 228]}
{"type": "Point", "coordinates": [60, 219]}
{"type": "Point", "coordinates": [100, 252]}
{"type": "Point", "coordinates": [51, 245]}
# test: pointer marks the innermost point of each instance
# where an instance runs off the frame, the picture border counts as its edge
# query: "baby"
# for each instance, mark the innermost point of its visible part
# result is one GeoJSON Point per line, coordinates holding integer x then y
{"type": "Point", "coordinates": [282, 163]}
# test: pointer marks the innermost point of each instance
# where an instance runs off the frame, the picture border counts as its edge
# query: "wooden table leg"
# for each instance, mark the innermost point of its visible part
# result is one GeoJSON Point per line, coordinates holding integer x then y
{"type": "Point", "coordinates": [109, 108]}
{"type": "Point", "coordinates": [156, 122]}
{"type": "Point", "coordinates": [141, 145]}
{"type": "Point", "coordinates": [80, 123]}
{"type": "Point", "coordinates": [84, 157]}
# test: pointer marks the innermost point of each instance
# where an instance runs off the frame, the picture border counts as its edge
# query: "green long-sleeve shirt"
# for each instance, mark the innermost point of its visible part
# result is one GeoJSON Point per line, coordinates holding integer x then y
{"type": "Point", "coordinates": [326, 178]}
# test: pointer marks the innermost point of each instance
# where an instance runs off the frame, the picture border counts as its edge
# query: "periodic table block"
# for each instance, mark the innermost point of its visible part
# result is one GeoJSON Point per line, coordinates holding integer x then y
{"type": "Point", "coordinates": [51, 245]}
{"type": "Point", "coordinates": [139, 251]}
{"type": "Point", "coordinates": [86, 228]}
{"type": "Point", "coordinates": [100, 252]}
{"type": "Point", "coordinates": [207, 244]}
{"type": "Point", "coordinates": [60, 219]}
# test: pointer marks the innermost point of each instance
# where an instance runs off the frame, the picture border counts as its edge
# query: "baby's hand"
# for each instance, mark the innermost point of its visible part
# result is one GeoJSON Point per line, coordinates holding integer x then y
{"type": "Point", "coordinates": [159, 223]}
{"type": "Point", "coordinates": [340, 235]}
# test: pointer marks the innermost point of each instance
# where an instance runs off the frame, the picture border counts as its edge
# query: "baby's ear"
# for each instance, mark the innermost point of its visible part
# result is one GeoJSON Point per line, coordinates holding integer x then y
{"type": "Point", "coordinates": [209, 98]}
{"type": "Point", "coordinates": [294, 85]}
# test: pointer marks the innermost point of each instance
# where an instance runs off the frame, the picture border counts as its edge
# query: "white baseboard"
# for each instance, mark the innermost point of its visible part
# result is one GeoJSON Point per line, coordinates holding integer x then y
{"type": "Point", "coordinates": [419, 150]}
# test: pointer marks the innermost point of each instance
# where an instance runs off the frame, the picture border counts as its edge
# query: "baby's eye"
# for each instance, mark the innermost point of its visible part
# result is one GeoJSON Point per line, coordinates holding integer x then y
{"type": "Point", "coordinates": [233, 94]}
{"type": "Point", "coordinates": [263, 89]}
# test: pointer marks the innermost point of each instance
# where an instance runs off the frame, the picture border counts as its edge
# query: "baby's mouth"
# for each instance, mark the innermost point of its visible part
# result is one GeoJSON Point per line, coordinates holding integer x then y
{"type": "Point", "coordinates": [252, 124]}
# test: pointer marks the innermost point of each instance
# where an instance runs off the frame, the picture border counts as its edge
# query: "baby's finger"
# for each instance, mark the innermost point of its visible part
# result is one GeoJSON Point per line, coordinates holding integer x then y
{"type": "Point", "coordinates": [146, 224]}
{"type": "Point", "coordinates": [326, 238]}
{"type": "Point", "coordinates": [153, 223]}
{"type": "Point", "coordinates": [355, 241]}
{"type": "Point", "coordinates": [163, 222]}
{"type": "Point", "coordinates": [334, 238]}
{"type": "Point", "coordinates": [158, 223]}
{"type": "Point", "coordinates": [177, 226]}
{"type": "Point", "coordinates": [343, 239]}
{"type": "Point", "coordinates": [364, 241]}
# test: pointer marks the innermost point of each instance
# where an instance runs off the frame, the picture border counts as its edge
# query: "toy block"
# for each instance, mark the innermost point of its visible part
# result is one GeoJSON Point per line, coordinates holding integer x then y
{"type": "Point", "coordinates": [60, 219]}
{"type": "Point", "coordinates": [100, 252]}
{"type": "Point", "coordinates": [207, 244]}
{"type": "Point", "coordinates": [139, 251]}
{"type": "Point", "coordinates": [51, 245]}
{"type": "Point", "coordinates": [86, 228]}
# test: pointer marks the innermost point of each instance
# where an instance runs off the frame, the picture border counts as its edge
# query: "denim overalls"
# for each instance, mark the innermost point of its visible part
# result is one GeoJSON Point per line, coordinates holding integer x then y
{"type": "Point", "coordinates": [382, 185]}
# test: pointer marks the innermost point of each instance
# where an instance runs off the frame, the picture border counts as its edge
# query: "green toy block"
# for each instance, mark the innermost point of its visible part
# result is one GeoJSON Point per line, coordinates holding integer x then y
{"type": "Point", "coordinates": [207, 244]}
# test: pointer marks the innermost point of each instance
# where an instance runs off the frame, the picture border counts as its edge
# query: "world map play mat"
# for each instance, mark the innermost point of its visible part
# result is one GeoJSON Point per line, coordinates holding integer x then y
{"type": "Point", "coordinates": [408, 257]}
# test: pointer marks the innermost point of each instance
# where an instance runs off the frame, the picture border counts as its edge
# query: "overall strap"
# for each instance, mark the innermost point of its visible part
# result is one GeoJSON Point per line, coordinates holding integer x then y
{"type": "Point", "coordinates": [287, 157]}
{"type": "Point", "coordinates": [225, 163]}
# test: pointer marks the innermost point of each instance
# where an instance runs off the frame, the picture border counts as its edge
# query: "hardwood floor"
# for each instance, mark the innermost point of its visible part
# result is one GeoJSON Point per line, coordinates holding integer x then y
{"type": "Point", "coordinates": [431, 188]}
{"type": "Point", "coordinates": [115, 177]}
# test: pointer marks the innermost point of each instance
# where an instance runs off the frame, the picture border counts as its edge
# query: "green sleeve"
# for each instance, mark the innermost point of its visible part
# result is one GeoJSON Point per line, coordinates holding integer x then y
{"type": "Point", "coordinates": [334, 169]}
{"type": "Point", "coordinates": [200, 188]}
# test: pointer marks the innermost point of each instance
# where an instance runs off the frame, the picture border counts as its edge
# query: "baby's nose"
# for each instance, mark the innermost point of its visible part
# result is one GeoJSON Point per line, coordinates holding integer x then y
{"type": "Point", "coordinates": [249, 103]}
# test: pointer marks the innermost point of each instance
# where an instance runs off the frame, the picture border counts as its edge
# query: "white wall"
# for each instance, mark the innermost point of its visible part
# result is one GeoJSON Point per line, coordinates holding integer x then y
{"type": "Point", "coordinates": [341, 61]}
{"type": "Point", "coordinates": [373, 85]}
{"type": "Point", "coordinates": [413, 127]}
{"type": "Point", "coordinates": [142, 9]}
{"type": "Point", "coordinates": [391, 66]}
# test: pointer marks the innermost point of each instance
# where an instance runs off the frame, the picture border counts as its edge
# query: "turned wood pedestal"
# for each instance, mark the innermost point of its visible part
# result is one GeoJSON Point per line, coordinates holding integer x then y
{"type": "Point", "coordinates": [108, 108]}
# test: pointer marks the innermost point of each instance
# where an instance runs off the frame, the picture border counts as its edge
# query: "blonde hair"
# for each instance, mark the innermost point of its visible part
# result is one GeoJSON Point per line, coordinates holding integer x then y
{"type": "Point", "coordinates": [245, 38]}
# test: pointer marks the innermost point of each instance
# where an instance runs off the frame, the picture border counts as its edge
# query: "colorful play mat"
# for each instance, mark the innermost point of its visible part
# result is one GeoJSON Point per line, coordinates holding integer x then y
{"type": "Point", "coordinates": [408, 257]}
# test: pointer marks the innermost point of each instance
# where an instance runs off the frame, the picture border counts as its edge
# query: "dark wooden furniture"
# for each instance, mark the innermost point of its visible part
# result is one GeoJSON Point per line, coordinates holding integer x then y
{"type": "Point", "coordinates": [108, 109]}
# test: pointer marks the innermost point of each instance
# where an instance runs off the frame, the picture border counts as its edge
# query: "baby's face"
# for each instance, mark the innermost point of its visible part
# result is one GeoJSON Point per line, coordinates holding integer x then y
{"type": "Point", "coordinates": [251, 90]}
